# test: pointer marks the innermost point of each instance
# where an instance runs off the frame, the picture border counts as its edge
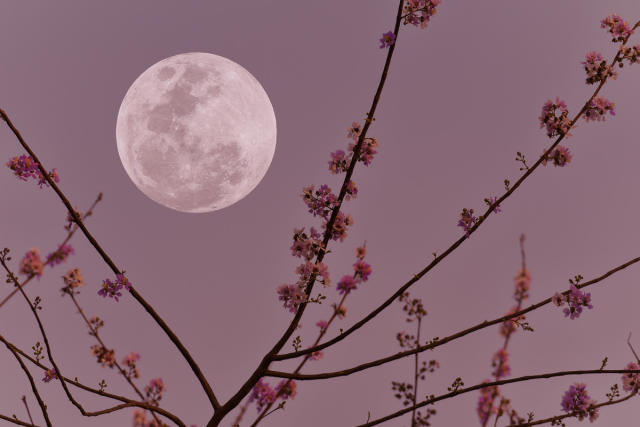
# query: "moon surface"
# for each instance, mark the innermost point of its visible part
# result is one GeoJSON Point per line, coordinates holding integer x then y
{"type": "Point", "coordinates": [196, 132]}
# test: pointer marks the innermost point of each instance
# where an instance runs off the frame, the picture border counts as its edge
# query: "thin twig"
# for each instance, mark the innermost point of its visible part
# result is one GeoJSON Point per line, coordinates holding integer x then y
{"type": "Point", "coordinates": [24, 400]}
{"type": "Point", "coordinates": [41, 403]}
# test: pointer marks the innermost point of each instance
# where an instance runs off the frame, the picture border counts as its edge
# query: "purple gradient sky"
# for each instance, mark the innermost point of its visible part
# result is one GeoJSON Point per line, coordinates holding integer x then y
{"type": "Point", "coordinates": [461, 98]}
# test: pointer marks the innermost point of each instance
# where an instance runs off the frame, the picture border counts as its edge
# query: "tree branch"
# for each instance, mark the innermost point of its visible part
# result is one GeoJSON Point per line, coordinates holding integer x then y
{"type": "Point", "coordinates": [172, 336]}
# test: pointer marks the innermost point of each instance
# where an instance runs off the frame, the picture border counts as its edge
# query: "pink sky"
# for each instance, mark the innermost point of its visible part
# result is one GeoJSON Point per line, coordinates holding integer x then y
{"type": "Point", "coordinates": [462, 97]}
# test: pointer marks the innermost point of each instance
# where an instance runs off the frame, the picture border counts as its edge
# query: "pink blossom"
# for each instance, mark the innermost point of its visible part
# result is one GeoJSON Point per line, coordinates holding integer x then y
{"type": "Point", "coordinates": [508, 327]}
{"type": "Point", "coordinates": [362, 271]}
{"type": "Point", "coordinates": [112, 289]}
{"type": "Point", "coordinates": [60, 255]}
{"type": "Point", "coordinates": [49, 374]}
{"type": "Point", "coordinates": [322, 324]}
{"type": "Point", "coordinates": [388, 39]}
{"type": "Point", "coordinates": [576, 299]}
{"type": "Point", "coordinates": [306, 270]}
{"type": "Point", "coordinates": [154, 390]}
{"type": "Point", "coordinates": [419, 12]}
{"type": "Point", "coordinates": [485, 402]}
{"type": "Point", "coordinates": [560, 156]}
{"type": "Point", "coordinates": [500, 361]}
{"type": "Point", "coordinates": [631, 54]}
{"type": "Point", "coordinates": [130, 362]}
{"type": "Point", "coordinates": [617, 27]}
{"type": "Point", "coordinates": [339, 231]}
{"type": "Point", "coordinates": [286, 389]}
{"type": "Point", "coordinates": [346, 285]}
{"type": "Point", "coordinates": [367, 150]}
{"type": "Point", "coordinates": [467, 220]}
{"type": "Point", "coordinates": [597, 69]}
{"type": "Point", "coordinates": [31, 263]}
{"type": "Point", "coordinates": [352, 191]}
{"type": "Point", "coordinates": [104, 356]}
{"type": "Point", "coordinates": [558, 299]}
{"type": "Point", "coordinates": [339, 162]}
{"type": "Point", "coordinates": [597, 109]}
{"type": "Point", "coordinates": [316, 355]}
{"type": "Point", "coordinates": [263, 394]}
{"type": "Point", "coordinates": [25, 167]}
{"type": "Point", "coordinates": [73, 278]}
{"type": "Point", "coordinates": [555, 124]}
{"type": "Point", "coordinates": [306, 246]}
{"type": "Point", "coordinates": [322, 202]}
{"type": "Point", "coordinates": [577, 400]}
{"type": "Point", "coordinates": [361, 251]}
{"type": "Point", "coordinates": [522, 284]}
{"type": "Point", "coordinates": [631, 382]}
{"type": "Point", "coordinates": [292, 295]}
{"type": "Point", "coordinates": [354, 131]}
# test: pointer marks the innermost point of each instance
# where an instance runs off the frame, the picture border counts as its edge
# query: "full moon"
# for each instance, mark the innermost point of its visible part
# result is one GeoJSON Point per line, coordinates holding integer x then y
{"type": "Point", "coordinates": [196, 132]}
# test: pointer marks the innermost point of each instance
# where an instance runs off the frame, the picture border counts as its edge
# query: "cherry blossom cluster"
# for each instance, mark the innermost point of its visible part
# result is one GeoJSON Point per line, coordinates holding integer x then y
{"type": "Point", "coordinates": [598, 108]}
{"type": "Point", "coordinates": [597, 69]}
{"type": "Point", "coordinates": [630, 53]}
{"type": "Point", "coordinates": [554, 118]}
{"type": "Point", "coordinates": [617, 27]}
{"type": "Point", "coordinates": [361, 272]}
{"type": "Point", "coordinates": [140, 419]}
{"type": "Point", "coordinates": [467, 220]}
{"type": "Point", "coordinates": [60, 255]}
{"type": "Point", "coordinates": [112, 289]}
{"type": "Point", "coordinates": [292, 296]}
{"type": "Point", "coordinates": [104, 356]}
{"type": "Point", "coordinates": [263, 394]}
{"type": "Point", "coordinates": [130, 362]}
{"type": "Point", "coordinates": [73, 278]}
{"type": "Point", "coordinates": [577, 400]}
{"type": "Point", "coordinates": [49, 375]}
{"type": "Point", "coordinates": [500, 359]}
{"type": "Point", "coordinates": [367, 151]}
{"type": "Point", "coordinates": [31, 263]}
{"type": "Point", "coordinates": [490, 201]}
{"type": "Point", "coordinates": [631, 381]}
{"type": "Point", "coordinates": [559, 156]}
{"type": "Point", "coordinates": [510, 326]}
{"type": "Point", "coordinates": [340, 160]}
{"type": "Point", "coordinates": [306, 270]}
{"type": "Point", "coordinates": [419, 12]}
{"type": "Point", "coordinates": [339, 229]}
{"type": "Point", "coordinates": [575, 299]}
{"type": "Point", "coordinates": [485, 403]}
{"type": "Point", "coordinates": [306, 245]}
{"type": "Point", "coordinates": [154, 391]}
{"type": "Point", "coordinates": [25, 167]}
{"type": "Point", "coordinates": [321, 202]}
